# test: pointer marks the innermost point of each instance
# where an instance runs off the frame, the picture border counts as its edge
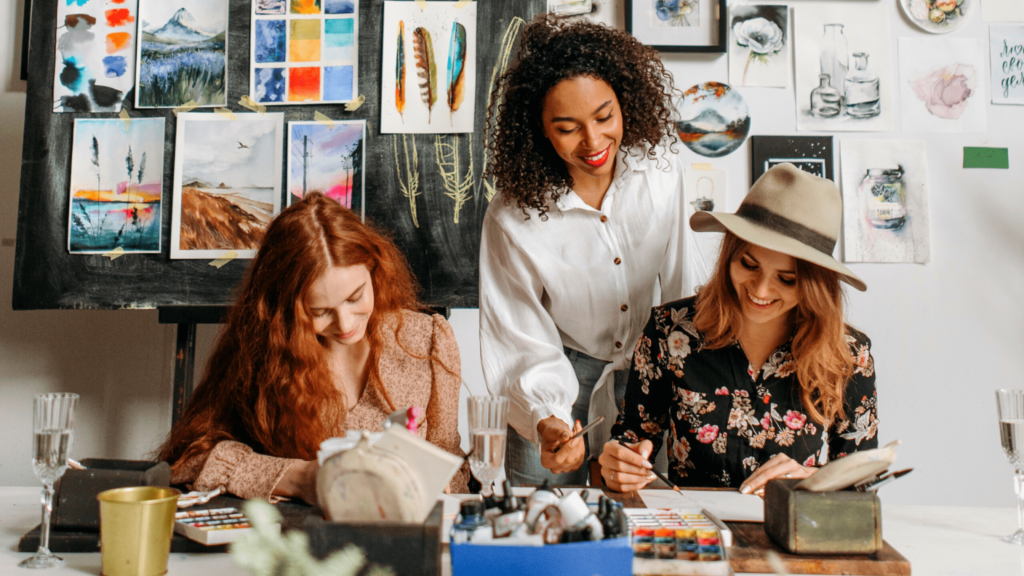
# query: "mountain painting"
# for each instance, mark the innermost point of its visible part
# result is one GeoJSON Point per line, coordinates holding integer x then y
{"type": "Point", "coordinates": [182, 54]}
{"type": "Point", "coordinates": [713, 119]}
{"type": "Point", "coordinates": [227, 183]}
{"type": "Point", "coordinates": [116, 185]}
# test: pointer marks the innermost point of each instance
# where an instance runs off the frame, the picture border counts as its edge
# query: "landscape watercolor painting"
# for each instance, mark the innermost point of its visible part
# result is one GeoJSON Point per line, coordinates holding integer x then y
{"type": "Point", "coordinates": [428, 68]}
{"type": "Point", "coordinates": [942, 85]}
{"type": "Point", "coordinates": [182, 55]}
{"type": "Point", "coordinates": [885, 205]}
{"type": "Point", "coordinates": [714, 119]}
{"type": "Point", "coordinates": [227, 183]}
{"type": "Point", "coordinates": [305, 54]}
{"type": "Point", "coordinates": [95, 55]}
{"type": "Point", "coordinates": [116, 189]}
{"type": "Point", "coordinates": [759, 45]}
{"type": "Point", "coordinates": [328, 160]}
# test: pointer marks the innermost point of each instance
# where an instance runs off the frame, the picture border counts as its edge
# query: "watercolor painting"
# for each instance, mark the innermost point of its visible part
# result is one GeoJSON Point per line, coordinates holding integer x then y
{"type": "Point", "coordinates": [307, 55]}
{"type": "Point", "coordinates": [714, 120]}
{"type": "Point", "coordinates": [843, 67]}
{"type": "Point", "coordinates": [570, 7]}
{"type": "Point", "coordinates": [942, 85]}
{"type": "Point", "coordinates": [117, 175]}
{"type": "Point", "coordinates": [938, 16]}
{"type": "Point", "coordinates": [705, 191]}
{"type": "Point", "coordinates": [812, 154]}
{"type": "Point", "coordinates": [428, 68]}
{"type": "Point", "coordinates": [759, 45]}
{"type": "Point", "coordinates": [328, 160]}
{"type": "Point", "coordinates": [182, 55]}
{"type": "Point", "coordinates": [1006, 46]}
{"type": "Point", "coordinates": [270, 7]}
{"type": "Point", "coordinates": [885, 206]}
{"type": "Point", "coordinates": [227, 183]}
{"type": "Point", "coordinates": [95, 57]}
{"type": "Point", "coordinates": [675, 13]}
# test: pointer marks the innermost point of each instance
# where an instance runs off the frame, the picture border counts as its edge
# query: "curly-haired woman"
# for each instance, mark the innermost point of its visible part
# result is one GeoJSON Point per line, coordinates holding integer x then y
{"type": "Point", "coordinates": [758, 376]}
{"type": "Point", "coordinates": [325, 337]}
{"type": "Point", "coordinates": [583, 238]}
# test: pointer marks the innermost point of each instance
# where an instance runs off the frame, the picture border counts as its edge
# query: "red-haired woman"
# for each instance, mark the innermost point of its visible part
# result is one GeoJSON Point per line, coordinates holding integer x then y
{"type": "Point", "coordinates": [325, 337]}
{"type": "Point", "coordinates": [758, 376]}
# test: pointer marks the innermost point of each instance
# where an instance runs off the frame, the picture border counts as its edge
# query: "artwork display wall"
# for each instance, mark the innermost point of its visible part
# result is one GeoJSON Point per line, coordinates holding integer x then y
{"type": "Point", "coordinates": [329, 159]}
{"type": "Point", "coordinates": [304, 51]}
{"type": "Point", "coordinates": [428, 68]}
{"type": "Point", "coordinates": [95, 55]}
{"type": "Point", "coordinates": [942, 85]}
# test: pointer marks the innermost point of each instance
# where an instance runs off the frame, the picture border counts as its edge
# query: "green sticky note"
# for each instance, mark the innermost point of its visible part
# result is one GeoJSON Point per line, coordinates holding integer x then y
{"type": "Point", "coordinates": [986, 157]}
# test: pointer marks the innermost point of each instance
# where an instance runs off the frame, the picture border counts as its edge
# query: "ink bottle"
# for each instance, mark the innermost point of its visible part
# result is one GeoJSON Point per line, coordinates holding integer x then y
{"type": "Point", "coordinates": [825, 100]}
{"type": "Point", "coordinates": [470, 518]}
{"type": "Point", "coordinates": [862, 92]}
{"type": "Point", "coordinates": [886, 197]}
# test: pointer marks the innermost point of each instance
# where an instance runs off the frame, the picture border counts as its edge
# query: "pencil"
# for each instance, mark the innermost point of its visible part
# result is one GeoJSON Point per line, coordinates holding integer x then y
{"type": "Point", "coordinates": [578, 434]}
{"type": "Point", "coordinates": [660, 476]}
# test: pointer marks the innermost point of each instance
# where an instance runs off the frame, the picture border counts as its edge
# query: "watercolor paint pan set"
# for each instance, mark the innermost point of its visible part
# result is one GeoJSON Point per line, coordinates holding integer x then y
{"type": "Point", "coordinates": [678, 541]}
{"type": "Point", "coordinates": [212, 526]}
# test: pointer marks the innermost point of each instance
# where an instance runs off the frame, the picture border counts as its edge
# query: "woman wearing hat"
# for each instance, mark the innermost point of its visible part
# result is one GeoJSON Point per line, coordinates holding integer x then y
{"type": "Point", "coordinates": [585, 233]}
{"type": "Point", "coordinates": [758, 376]}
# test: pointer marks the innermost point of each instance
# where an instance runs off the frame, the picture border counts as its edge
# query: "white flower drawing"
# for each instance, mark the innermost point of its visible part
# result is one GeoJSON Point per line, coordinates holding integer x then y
{"type": "Point", "coordinates": [762, 36]}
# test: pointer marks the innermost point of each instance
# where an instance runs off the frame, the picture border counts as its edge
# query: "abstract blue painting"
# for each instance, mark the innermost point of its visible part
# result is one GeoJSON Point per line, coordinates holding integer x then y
{"type": "Point", "coordinates": [269, 84]}
{"type": "Point", "coordinates": [339, 7]}
{"type": "Point", "coordinates": [271, 41]}
{"type": "Point", "coordinates": [339, 39]}
{"type": "Point", "coordinates": [337, 83]}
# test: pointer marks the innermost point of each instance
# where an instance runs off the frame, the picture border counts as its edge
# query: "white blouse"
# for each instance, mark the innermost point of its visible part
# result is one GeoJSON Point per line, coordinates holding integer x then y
{"type": "Point", "coordinates": [585, 279]}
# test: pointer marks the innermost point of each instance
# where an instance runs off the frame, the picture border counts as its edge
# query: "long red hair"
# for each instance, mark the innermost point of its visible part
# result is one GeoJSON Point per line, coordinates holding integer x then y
{"type": "Point", "coordinates": [824, 363]}
{"type": "Point", "coordinates": [267, 383]}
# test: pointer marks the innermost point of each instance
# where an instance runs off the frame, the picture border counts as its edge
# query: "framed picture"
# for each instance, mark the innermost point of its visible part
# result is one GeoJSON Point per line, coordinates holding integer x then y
{"type": "Point", "coordinates": [678, 25]}
{"type": "Point", "coordinates": [811, 154]}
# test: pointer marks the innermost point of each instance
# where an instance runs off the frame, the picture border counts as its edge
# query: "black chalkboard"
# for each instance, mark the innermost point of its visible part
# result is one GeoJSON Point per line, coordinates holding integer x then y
{"type": "Point", "coordinates": [443, 254]}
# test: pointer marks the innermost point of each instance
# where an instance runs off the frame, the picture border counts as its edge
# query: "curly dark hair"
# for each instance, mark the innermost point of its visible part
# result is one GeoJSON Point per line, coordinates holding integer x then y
{"type": "Point", "coordinates": [523, 163]}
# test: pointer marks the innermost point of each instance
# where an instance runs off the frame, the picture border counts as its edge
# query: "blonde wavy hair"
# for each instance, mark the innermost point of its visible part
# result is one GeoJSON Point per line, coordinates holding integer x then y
{"type": "Point", "coordinates": [824, 363]}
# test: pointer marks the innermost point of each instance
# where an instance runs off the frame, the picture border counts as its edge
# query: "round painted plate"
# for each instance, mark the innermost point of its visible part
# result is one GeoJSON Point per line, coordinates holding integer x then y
{"type": "Point", "coordinates": [713, 119]}
{"type": "Point", "coordinates": [938, 16]}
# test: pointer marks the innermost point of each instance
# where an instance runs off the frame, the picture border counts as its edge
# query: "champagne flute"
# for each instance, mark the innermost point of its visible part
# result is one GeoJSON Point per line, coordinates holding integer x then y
{"type": "Point", "coordinates": [488, 418]}
{"type": "Point", "coordinates": [1010, 404]}
{"type": "Point", "coordinates": [52, 422]}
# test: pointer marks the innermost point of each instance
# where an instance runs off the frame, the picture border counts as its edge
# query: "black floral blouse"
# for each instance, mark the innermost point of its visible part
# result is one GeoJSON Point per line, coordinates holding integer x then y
{"type": "Point", "coordinates": [724, 417]}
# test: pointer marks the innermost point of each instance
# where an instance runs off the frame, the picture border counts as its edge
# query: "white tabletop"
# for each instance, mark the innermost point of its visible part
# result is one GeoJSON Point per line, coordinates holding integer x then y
{"type": "Point", "coordinates": [938, 540]}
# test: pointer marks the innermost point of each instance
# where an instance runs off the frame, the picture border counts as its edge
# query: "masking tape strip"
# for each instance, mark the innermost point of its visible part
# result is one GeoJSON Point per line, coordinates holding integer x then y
{"type": "Point", "coordinates": [186, 107]}
{"type": "Point", "coordinates": [355, 104]}
{"type": "Point", "coordinates": [461, 4]}
{"type": "Point", "coordinates": [701, 166]}
{"type": "Point", "coordinates": [422, 4]}
{"type": "Point", "coordinates": [225, 113]}
{"type": "Point", "coordinates": [224, 259]}
{"type": "Point", "coordinates": [247, 102]}
{"type": "Point", "coordinates": [115, 253]}
{"type": "Point", "coordinates": [126, 119]}
{"type": "Point", "coordinates": [323, 119]}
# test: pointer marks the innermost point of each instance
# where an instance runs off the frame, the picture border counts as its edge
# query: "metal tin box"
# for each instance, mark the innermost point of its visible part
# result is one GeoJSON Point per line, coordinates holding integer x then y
{"type": "Point", "coordinates": [840, 522]}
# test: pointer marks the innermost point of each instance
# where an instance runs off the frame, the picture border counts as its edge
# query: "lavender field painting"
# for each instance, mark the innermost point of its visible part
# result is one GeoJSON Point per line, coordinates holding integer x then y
{"type": "Point", "coordinates": [182, 53]}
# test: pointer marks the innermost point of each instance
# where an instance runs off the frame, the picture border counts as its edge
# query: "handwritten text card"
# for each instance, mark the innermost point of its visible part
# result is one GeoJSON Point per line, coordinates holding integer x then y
{"type": "Point", "coordinates": [1007, 46]}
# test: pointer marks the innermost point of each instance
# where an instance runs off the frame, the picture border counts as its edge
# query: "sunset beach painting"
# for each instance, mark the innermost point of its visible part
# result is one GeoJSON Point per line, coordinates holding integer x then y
{"type": "Point", "coordinates": [116, 186]}
{"type": "Point", "coordinates": [227, 183]}
{"type": "Point", "coordinates": [328, 160]}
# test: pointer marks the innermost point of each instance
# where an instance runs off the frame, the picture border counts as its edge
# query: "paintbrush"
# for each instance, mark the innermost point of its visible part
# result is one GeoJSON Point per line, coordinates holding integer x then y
{"type": "Point", "coordinates": [660, 476]}
{"type": "Point", "coordinates": [586, 429]}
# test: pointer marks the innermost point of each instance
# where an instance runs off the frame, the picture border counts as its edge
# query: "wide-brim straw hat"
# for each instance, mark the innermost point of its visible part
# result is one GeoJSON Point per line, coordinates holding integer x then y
{"type": "Point", "coordinates": [789, 211]}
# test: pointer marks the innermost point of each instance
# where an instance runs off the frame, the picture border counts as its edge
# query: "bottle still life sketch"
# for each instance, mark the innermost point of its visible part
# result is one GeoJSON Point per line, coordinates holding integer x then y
{"type": "Point", "coordinates": [714, 120]}
{"type": "Point", "coordinates": [676, 13]}
{"type": "Point", "coordinates": [842, 84]}
{"type": "Point", "coordinates": [116, 186]}
{"type": "Point", "coordinates": [759, 45]}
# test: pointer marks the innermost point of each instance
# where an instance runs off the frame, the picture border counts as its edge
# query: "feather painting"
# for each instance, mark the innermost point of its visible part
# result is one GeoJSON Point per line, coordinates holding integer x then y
{"type": "Point", "coordinates": [456, 69]}
{"type": "Point", "coordinates": [425, 68]}
{"type": "Point", "coordinates": [400, 72]}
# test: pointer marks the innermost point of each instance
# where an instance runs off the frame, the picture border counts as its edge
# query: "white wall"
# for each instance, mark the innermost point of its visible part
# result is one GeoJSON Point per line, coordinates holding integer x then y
{"type": "Point", "coordinates": [945, 334]}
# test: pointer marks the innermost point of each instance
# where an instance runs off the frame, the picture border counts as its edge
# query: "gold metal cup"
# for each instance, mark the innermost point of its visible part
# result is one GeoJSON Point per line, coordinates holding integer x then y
{"type": "Point", "coordinates": [136, 526]}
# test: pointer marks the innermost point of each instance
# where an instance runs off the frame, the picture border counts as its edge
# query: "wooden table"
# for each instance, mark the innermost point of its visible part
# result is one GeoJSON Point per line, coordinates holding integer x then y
{"type": "Point", "coordinates": [938, 540]}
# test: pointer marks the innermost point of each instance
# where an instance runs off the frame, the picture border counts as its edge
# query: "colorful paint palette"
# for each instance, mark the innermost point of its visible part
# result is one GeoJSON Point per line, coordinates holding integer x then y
{"type": "Point", "coordinates": [679, 541]}
{"type": "Point", "coordinates": [213, 526]}
{"type": "Point", "coordinates": [304, 51]}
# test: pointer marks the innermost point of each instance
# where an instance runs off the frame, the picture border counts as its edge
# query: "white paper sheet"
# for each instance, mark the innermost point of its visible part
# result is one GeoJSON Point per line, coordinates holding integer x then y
{"type": "Point", "coordinates": [727, 505]}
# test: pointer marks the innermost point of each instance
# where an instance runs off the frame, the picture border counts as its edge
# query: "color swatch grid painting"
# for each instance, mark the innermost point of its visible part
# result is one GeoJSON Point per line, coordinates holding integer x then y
{"type": "Point", "coordinates": [117, 172]}
{"type": "Point", "coordinates": [227, 183]}
{"type": "Point", "coordinates": [304, 51]}
{"type": "Point", "coordinates": [183, 53]}
{"type": "Point", "coordinates": [942, 85]}
{"type": "Point", "coordinates": [428, 78]}
{"type": "Point", "coordinates": [328, 159]}
{"type": "Point", "coordinates": [95, 56]}
{"type": "Point", "coordinates": [885, 207]}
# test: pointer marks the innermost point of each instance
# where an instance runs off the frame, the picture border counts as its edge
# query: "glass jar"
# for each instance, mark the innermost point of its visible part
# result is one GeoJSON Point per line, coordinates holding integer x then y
{"type": "Point", "coordinates": [862, 95]}
{"type": "Point", "coordinates": [886, 197]}
{"type": "Point", "coordinates": [834, 54]}
{"type": "Point", "coordinates": [825, 100]}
